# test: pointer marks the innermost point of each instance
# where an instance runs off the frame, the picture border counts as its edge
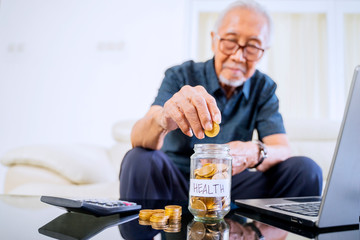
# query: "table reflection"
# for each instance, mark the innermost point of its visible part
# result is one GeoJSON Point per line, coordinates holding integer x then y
{"type": "Point", "coordinates": [236, 225]}
{"type": "Point", "coordinates": [207, 230]}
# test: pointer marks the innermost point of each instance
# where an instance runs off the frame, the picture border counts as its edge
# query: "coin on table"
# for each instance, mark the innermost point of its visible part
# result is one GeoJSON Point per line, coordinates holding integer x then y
{"type": "Point", "coordinates": [173, 211]}
{"type": "Point", "coordinates": [214, 131]}
{"type": "Point", "coordinates": [145, 214]}
{"type": "Point", "coordinates": [159, 218]}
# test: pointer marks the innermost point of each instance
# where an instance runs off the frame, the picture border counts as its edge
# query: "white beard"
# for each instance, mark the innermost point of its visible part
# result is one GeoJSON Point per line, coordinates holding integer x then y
{"type": "Point", "coordinates": [226, 81]}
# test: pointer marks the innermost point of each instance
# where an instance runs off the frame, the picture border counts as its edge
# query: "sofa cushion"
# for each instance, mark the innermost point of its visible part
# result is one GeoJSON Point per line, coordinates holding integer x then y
{"type": "Point", "coordinates": [100, 190]}
{"type": "Point", "coordinates": [80, 164]}
{"type": "Point", "coordinates": [19, 174]}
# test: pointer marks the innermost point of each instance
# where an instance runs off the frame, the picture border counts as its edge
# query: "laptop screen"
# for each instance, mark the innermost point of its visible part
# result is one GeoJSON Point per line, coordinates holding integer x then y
{"type": "Point", "coordinates": [341, 195]}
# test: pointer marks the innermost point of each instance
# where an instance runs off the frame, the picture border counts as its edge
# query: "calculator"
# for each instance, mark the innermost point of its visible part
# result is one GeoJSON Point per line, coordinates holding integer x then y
{"type": "Point", "coordinates": [95, 206]}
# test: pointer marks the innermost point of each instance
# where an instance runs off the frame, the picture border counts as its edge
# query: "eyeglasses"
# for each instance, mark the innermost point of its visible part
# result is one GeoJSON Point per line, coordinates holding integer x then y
{"type": "Point", "coordinates": [230, 47]}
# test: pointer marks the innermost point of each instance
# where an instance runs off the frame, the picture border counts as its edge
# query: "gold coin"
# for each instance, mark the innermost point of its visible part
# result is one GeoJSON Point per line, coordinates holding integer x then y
{"type": "Point", "coordinates": [145, 223]}
{"type": "Point", "coordinates": [173, 211]}
{"type": "Point", "coordinates": [145, 214]}
{"type": "Point", "coordinates": [209, 175]}
{"type": "Point", "coordinates": [221, 167]}
{"type": "Point", "coordinates": [199, 177]}
{"type": "Point", "coordinates": [159, 218]}
{"type": "Point", "coordinates": [172, 230]}
{"type": "Point", "coordinates": [199, 205]}
{"type": "Point", "coordinates": [214, 131]}
{"type": "Point", "coordinates": [159, 210]}
{"type": "Point", "coordinates": [158, 226]}
{"type": "Point", "coordinates": [174, 221]}
{"type": "Point", "coordinates": [173, 208]}
{"type": "Point", "coordinates": [218, 176]}
{"type": "Point", "coordinates": [206, 170]}
{"type": "Point", "coordinates": [197, 231]}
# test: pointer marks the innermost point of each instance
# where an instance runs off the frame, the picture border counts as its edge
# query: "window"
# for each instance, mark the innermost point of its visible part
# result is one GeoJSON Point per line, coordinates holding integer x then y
{"type": "Point", "coordinates": [314, 51]}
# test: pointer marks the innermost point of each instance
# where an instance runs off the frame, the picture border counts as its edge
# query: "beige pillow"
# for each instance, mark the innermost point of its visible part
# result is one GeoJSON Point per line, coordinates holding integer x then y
{"type": "Point", "coordinates": [81, 164]}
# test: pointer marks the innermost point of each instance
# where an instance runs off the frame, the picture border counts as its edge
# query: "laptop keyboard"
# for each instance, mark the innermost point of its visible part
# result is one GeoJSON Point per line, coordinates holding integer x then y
{"type": "Point", "coordinates": [307, 209]}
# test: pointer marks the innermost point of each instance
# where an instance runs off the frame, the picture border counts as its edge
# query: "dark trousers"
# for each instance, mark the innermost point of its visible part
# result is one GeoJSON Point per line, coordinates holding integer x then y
{"type": "Point", "coordinates": [149, 174]}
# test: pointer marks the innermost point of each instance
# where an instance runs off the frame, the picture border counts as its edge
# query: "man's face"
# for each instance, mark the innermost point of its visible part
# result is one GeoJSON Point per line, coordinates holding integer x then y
{"type": "Point", "coordinates": [245, 27]}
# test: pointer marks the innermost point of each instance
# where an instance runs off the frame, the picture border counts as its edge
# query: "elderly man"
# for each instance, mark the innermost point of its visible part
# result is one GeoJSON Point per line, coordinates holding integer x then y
{"type": "Point", "coordinates": [230, 91]}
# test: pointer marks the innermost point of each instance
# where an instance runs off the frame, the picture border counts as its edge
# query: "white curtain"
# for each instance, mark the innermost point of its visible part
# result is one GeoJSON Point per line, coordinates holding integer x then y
{"type": "Point", "coordinates": [297, 62]}
{"type": "Point", "coordinates": [351, 46]}
{"type": "Point", "coordinates": [206, 24]}
{"type": "Point", "coordinates": [297, 59]}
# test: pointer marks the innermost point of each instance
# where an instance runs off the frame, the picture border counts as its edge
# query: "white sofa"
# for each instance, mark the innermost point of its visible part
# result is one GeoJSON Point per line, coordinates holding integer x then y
{"type": "Point", "coordinates": [92, 171]}
{"type": "Point", "coordinates": [67, 170]}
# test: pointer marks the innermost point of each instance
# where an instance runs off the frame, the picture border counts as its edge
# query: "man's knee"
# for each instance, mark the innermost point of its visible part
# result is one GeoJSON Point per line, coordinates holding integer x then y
{"type": "Point", "coordinates": [304, 166]}
{"type": "Point", "coordinates": [306, 173]}
{"type": "Point", "coordinates": [135, 170]}
{"type": "Point", "coordinates": [150, 174]}
{"type": "Point", "coordinates": [138, 160]}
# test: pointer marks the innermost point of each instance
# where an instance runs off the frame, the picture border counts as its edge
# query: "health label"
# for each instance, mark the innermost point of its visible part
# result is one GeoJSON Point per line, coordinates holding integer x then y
{"type": "Point", "coordinates": [210, 188]}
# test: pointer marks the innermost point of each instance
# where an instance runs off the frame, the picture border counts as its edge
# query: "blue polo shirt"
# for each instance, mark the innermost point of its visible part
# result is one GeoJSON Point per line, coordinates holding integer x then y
{"type": "Point", "coordinates": [253, 106]}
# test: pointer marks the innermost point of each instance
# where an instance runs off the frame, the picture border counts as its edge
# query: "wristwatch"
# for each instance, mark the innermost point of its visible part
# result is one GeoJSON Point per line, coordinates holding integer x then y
{"type": "Point", "coordinates": [262, 151]}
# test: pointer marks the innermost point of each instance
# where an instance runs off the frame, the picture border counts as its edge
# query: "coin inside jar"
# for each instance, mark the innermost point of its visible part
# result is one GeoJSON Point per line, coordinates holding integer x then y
{"type": "Point", "coordinates": [206, 170]}
{"type": "Point", "coordinates": [199, 206]}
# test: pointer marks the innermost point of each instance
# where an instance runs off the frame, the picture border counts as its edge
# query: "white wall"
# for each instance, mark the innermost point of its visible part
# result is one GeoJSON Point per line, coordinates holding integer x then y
{"type": "Point", "coordinates": [69, 69]}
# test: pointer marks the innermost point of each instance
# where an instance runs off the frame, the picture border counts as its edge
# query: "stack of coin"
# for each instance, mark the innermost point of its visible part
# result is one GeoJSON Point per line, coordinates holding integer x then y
{"type": "Point", "coordinates": [159, 221]}
{"type": "Point", "coordinates": [173, 227]}
{"type": "Point", "coordinates": [168, 219]}
{"type": "Point", "coordinates": [174, 213]}
{"type": "Point", "coordinates": [144, 216]}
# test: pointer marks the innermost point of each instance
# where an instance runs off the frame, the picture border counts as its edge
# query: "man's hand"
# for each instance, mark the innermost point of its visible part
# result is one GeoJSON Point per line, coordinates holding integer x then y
{"type": "Point", "coordinates": [192, 110]}
{"type": "Point", "coordinates": [244, 154]}
{"type": "Point", "coordinates": [278, 150]}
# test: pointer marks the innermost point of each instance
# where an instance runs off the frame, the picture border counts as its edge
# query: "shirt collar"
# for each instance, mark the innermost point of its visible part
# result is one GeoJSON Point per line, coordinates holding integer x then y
{"type": "Point", "coordinates": [246, 88]}
{"type": "Point", "coordinates": [213, 81]}
{"type": "Point", "coordinates": [214, 85]}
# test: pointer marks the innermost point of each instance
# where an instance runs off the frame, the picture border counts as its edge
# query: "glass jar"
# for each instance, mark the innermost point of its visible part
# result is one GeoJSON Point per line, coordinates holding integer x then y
{"type": "Point", "coordinates": [210, 182]}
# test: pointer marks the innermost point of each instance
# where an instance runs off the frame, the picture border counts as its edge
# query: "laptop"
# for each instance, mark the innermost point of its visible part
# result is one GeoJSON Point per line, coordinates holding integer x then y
{"type": "Point", "coordinates": [340, 203]}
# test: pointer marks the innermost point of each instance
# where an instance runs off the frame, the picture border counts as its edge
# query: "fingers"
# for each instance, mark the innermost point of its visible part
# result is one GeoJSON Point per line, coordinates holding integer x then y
{"type": "Point", "coordinates": [193, 110]}
{"type": "Point", "coordinates": [214, 110]}
{"type": "Point", "coordinates": [176, 115]}
{"type": "Point", "coordinates": [239, 164]}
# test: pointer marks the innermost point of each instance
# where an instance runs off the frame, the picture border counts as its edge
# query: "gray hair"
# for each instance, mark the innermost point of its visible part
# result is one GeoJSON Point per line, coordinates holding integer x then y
{"type": "Point", "coordinates": [246, 4]}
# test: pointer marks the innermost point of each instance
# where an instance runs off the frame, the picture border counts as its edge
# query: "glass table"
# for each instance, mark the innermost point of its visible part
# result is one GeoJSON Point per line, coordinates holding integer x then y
{"type": "Point", "coordinates": [26, 217]}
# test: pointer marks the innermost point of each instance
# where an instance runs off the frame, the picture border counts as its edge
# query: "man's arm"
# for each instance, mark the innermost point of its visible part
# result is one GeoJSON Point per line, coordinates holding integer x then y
{"type": "Point", "coordinates": [191, 109]}
{"type": "Point", "coordinates": [148, 132]}
{"type": "Point", "coordinates": [278, 149]}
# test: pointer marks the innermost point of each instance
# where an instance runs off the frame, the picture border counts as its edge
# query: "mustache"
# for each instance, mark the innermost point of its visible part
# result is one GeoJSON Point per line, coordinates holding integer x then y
{"type": "Point", "coordinates": [233, 66]}
{"type": "Point", "coordinates": [227, 82]}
